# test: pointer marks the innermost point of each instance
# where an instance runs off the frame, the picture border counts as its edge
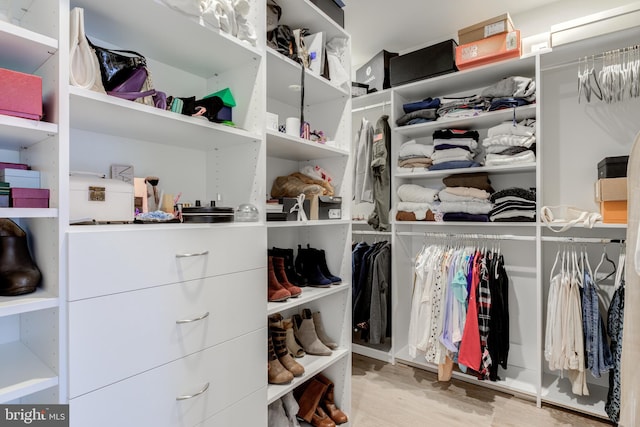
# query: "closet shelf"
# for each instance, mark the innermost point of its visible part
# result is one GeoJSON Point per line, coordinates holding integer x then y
{"type": "Point", "coordinates": [382, 97]}
{"type": "Point", "coordinates": [506, 169]}
{"type": "Point", "coordinates": [557, 391]}
{"type": "Point", "coordinates": [209, 52]}
{"type": "Point", "coordinates": [305, 14]}
{"type": "Point", "coordinates": [374, 353]}
{"type": "Point", "coordinates": [283, 72]}
{"type": "Point", "coordinates": [481, 121]}
{"type": "Point", "coordinates": [24, 50]}
{"type": "Point", "coordinates": [27, 373]}
{"type": "Point", "coordinates": [308, 294]}
{"type": "Point", "coordinates": [101, 113]}
{"type": "Point", "coordinates": [28, 212]}
{"type": "Point", "coordinates": [38, 300]}
{"type": "Point", "coordinates": [16, 132]}
{"type": "Point", "coordinates": [478, 225]}
{"type": "Point", "coordinates": [283, 146]}
{"type": "Point", "coordinates": [288, 224]}
{"type": "Point", "coordinates": [312, 366]}
{"type": "Point", "coordinates": [152, 228]}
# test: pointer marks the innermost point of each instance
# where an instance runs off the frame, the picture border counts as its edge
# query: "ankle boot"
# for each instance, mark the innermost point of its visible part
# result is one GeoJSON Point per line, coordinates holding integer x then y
{"type": "Point", "coordinates": [309, 396]}
{"type": "Point", "coordinates": [305, 332]}
{"type": "Point", "coordinates": [281, 275]}
{"type": "Point", "coordinates": [321, 419]}
{"type": "Point", "coordinates": [18, 273]}
{"type": "Point", "coordinates": [294, 276]}
{"type": "Point", "coordinates": [279, 337]}
{"type": "Point", "coordinates": [292, 345]}
{"type": "Point", "coordinates": [322, 335]}
{"type": "Point", "coordinates": [276, 291]}
{"type": "Point", "coordinates": [322, 263]}
{"type": "Point", "coordinates": [306, 263]}
{"type": "Point", "coordinates": [328, 401]}
{"type": "Point", "coordinates": [277, 373]}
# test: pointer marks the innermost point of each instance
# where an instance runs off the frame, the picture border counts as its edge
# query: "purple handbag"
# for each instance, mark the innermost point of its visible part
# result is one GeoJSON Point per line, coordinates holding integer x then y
{"type": "Point", "coordinates": [130, 88]}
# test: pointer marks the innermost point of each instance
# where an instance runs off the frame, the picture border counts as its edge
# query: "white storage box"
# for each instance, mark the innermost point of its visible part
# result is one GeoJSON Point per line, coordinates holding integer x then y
{"type": "Point", "coordinates": [93, 197]}
{"type": "Point", "coordinates": [20, 178]}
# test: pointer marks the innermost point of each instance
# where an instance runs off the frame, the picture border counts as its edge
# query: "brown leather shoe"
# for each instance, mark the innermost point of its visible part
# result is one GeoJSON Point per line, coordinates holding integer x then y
{"type": "Point", "coordinates": [328, 401]}
{"type": "Point", "coordinates": [309, 396]}
{"type": "Point", "coordinates": [18, 273]}
{"type": "Point", "coordinates": [320, 419]}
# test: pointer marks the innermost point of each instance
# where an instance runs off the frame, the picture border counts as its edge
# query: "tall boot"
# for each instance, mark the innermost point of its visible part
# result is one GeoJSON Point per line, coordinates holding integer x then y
{"type": "Point", "coordinates": [19, 275]}
{"type": "Point", "coordinates": [281, 275]}
{"type": "Point", "coordinates": [309, 396]}
{"type": "Point", "coordinates": [322, 263]}
{"type": "Point", "coordinates": [322, 335]}
{"type": "Point", "coordinates": [279, 337]}
{"type": "Point", "coordinates": [277, 373]}
{"type": "Point", "coordinates": [305, 331]}
{"type": "Point", "coordinates": [308, 265]}
{"type": "Point", "coordinates": [276, 291]}
{"type": "Point", "coordinates": [294, 348]}
{"type": "Point", "coordinates": [291, 408]}
{"type": "Point", "coordinates": [328, 401]}
{"type": "Point", "coordinates": [294, 276]}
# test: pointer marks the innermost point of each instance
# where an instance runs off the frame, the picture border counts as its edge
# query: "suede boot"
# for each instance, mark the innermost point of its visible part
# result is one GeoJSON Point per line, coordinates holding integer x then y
{"type": "Point", "coordinates": [19, 275]}
{"type": "Point", "coordinates": [294, 348]}
{"type": "Point", "coordinates": [276, 292]}
{"type": "Point", "coordinates": [305, 332]}
{"type": "Point", "coordinates": [277, 373]}
{"type": "Point", "coordinates": [308, 265]}
{"type": "Point", "coordinates": [309, 396]}
{"type": "Point", "coordinates": [279, 337]}
{"type": "Point", "coordinates": [322, 335]}
{"type": "Point", "coordinates": [294, 276]}
{"type": "Point", "coordinates": [281, 275]}
{"type": "Point", "coordinates": [276, 415]}
{"type": "Point", "coordinates": [328, 401]}
{"type": "Point", "coordinates": [322, 263]}
{"type": "Point", "coordinates": [291, 408]}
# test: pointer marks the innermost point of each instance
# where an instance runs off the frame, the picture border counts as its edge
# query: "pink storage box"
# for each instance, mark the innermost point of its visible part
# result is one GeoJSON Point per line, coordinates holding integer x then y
{"type": "Point", "coordinates": [20, 94]}
{"type": "Point", "coordinates": [21, 166]}
{"type": "Point", "coordinates": [29, 198]}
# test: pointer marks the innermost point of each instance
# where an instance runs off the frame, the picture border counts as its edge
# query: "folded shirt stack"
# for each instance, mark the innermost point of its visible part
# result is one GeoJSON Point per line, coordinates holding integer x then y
{"type": "Point", "coordinates": [513, 205]}
{"type": "Point", "coordinates": [466, 198]}
{"type": "Point", "coordinates": [413, 155]}
{"type": "Point", "coordinates": [510, 92]}
{"type": "Point", "coordinates": [416, 203]}
{"type": "Point", "coordinates": [419, 112]}
{"type": "Point", "coordinates": [467, 106]}
{"type": "Point", "coordinates": [454, 149]}
{"type": "Point", "coordinates": [509, 143]}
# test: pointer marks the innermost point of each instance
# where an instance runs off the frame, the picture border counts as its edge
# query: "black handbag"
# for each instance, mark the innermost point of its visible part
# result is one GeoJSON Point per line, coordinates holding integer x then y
{"type": "Point", "coordinates": [116, 66]}
{"type": "Point", "coordinates": [212, 105]}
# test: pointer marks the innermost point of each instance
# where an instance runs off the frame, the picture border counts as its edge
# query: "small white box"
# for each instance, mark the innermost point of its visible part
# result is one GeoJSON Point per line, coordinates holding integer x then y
{"type": "Point", "coordinates": [21, 178]}
{"type": "Point", "coordinates": [100, 199]}
{"type": "Point", "coordinates": [272, 121]}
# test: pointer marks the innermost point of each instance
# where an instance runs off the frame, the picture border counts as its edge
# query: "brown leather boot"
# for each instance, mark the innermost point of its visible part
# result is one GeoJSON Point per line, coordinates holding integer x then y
{"type": "Point", "coordinates": [277, 373]}
{"type": "Point", "coordinates": [309, 396]}
{"type": "Point", "coordinates": [281, 275]}
{"type": "Point", "coordinates": [18, 273]}
{"type": "Point", "coordinates": [328, 401]}
{"type": "Point", "coordinates": [279, 337]}
{"type": "Point", "coordinates": [277, 292]}
{"type": "Point", "coordinates": [321, 419]}
{"type": "Point", "coordinates": [322, 335]}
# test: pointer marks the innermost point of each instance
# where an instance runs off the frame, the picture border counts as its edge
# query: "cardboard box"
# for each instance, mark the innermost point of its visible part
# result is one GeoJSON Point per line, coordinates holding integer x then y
{"type": "Point", "coordinates": [21, 178]}
{"type": "Point", "coordinates": [492, 26]}
{"type": "Point", "coordinates": [423, 63]}
{"type": "Point", "coordinates": [289, 202]}
{"type": "Point", "coordinates": [29, 197]}
{"type": "Point", "coordinates": [20, 94]}
{"type": "Point", "coordinates": [611, 189]}
{"type": "Point", "coordinates": [376, 72]}
{"type": "Point", "coordinates": [489, 50]}
{"type": "Point", "coordinates": [614, 212]}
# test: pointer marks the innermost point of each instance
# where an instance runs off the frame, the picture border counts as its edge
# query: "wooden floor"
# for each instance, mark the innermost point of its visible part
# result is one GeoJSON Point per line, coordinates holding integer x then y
{"type": "Point", "coordinates": [385, 395]}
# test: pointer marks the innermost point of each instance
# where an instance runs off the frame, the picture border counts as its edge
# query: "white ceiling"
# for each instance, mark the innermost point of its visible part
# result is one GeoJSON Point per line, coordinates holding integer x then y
{"type": "Point", "coordinates": [401, 25]}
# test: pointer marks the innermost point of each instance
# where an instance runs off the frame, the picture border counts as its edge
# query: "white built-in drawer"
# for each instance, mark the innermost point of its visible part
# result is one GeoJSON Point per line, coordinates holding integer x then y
{"type": "Point", "coordinates": [249, 412]}
{"type": "Point", "coordinates": [232, 370]}
{"type": "Point", "coordinates": [116, 336]}
{"type": "Point", "coordinates": [110, 261]}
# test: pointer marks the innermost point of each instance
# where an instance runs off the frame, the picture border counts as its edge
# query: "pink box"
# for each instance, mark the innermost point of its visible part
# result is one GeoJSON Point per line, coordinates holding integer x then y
{"type": "Point", "coordinates": [29, 197]}
{"type": "Point", "coordinates": [20, 94]}
{"type": "Point", "coordinates": [22, 166]}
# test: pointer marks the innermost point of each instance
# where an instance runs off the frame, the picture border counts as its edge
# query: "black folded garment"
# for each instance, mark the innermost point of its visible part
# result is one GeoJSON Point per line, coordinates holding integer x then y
{"type": "Point", "coordinates": [464, 217]}
{"type": "Point", "coordinates": [455, 133]}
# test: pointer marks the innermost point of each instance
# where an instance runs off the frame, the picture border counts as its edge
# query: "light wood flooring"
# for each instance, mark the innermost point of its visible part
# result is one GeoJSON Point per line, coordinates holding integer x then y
{"type": "Point", "coordinates": [384, 395]}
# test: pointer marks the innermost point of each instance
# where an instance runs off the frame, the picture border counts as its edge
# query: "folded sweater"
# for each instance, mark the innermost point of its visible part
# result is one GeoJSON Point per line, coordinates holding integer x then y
{"type": "Point", "coordinates": [416, 193]}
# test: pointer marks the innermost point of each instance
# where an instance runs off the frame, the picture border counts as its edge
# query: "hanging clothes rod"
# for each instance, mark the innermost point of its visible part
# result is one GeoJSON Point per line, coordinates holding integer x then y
{"type": "Point", "coordinates": [371, 232]}
{"type": "Point", "coordinates": [372, 106]}
{"type": "Point", "coordinates": [581, 240]}
{"type": "Point", "coordinates": [467, 236]}
{"type": "Point", "coordinates": [593, 58]}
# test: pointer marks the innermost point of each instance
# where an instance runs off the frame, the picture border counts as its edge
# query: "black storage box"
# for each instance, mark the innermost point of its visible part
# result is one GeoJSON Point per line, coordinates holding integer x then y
{"type": "Point", "coordinates": [329, 207]}
{"type": "Point", "coordinates": [424, 63]}
{"type": "Point", "coordinates": [613, 167]}
{"type": "Point", "coordinates": [289, 202]}
{"type": "Point", "coordinates": [276, 216]}
{"type": "Point", "coordinates": [375, 73]}
{"type": "Point", "coordinates": [332, 10]}
{"type": "Point", "coordinates": [207, 214]}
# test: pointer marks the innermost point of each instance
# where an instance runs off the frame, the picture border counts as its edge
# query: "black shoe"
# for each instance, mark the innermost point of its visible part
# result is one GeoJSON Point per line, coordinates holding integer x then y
{"type": "Point", "coordinates": [307, 263]}
{"type": "Point", "coordinates": [293, 276]}
{"type": "Point", "coordinates": [19, 275]}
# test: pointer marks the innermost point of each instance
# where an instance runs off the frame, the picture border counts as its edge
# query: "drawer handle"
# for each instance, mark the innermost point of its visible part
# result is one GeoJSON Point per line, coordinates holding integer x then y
{"type": "Point", "coordinates": [204, 316]}
{"type": "Point", "coordinates": [191, 396]}
{"type": "Point", "coordinates": [193, 254]}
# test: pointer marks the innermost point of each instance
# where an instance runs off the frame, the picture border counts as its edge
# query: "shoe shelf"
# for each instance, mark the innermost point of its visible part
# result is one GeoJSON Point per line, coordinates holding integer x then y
{"type": "Point", "coordinates": [283, 146]}
{"type": "Point", "coordinates": [16, 132]}
{"type": "Point", "coordinates": [23, 372]}
{"type": "Point", "coordinates": [481, 121]}
{"type": "Point", "coordinates": [312, 366]}
{"type": "Point", "coordinates": [34, 301]}
{"type": "Point", "coordinates": [308, 294]}
{"type": "Point", "coordinates": [506, 169]}
{"type": "Point", "coordinates": [24, 50]}
{"type": "Point", "coordinates": [97, 112]}
{"type": "Point", "coordinates": [288, 224]}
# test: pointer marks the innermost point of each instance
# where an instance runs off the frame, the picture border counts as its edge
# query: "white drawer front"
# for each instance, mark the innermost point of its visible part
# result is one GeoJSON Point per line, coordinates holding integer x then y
{"type": "Point", "coordinates": [233, 370]}
{"type": "Point", "coordinates": [117, 336]}
{"type": "Point", "coordinates": [249, 412]}
{"type": "Point", "coordinates": [102, 263]}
